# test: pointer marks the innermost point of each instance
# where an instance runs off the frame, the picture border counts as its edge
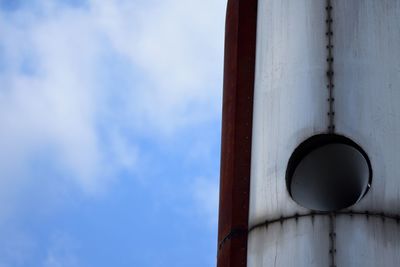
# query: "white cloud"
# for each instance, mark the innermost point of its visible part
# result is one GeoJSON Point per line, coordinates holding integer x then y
{"type": "Point", "coordinates": [54, 100]}
{"type": "Point", "coordinates": [59, 100]}
{"type": "Point", "coordinates": [55, 106]}
{"type": "Point", "coordinates": [178, 47]}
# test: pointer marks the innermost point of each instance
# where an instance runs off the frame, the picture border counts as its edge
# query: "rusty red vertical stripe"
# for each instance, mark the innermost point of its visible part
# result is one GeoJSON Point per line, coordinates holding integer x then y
{"type": "Point", "coordinates": [239, 67]}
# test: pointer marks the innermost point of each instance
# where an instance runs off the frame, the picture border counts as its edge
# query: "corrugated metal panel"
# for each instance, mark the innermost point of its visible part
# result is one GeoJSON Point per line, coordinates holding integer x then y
{"type": "Point", "coordinates": [366, 242]}
{"type": "Point", "coordinates": [289, 100]}
{"type": "Point", "coordinates": [304, 242]}
{"type": "Point", "coordinates": [367, 91]}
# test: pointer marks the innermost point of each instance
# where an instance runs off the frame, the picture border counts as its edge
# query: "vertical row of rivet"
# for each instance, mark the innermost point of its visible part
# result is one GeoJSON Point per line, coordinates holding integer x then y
{"type": "Point", "coordinates": [332, 239]}
{"type": "Point", "coordinates": [329, 72]}
{"type": "Point", "coordinates": [331, 114]}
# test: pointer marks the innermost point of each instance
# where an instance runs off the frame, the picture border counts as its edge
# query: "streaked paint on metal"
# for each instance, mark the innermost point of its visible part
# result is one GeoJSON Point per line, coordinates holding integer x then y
{"type": "Point", "coordinates": [290, 105]}
{"type": "Point", "coordinates": [291, 243]}
{"type": "Point", "coordinates": [367, 64]}
{"type": "Point", "coordinates": [366, 242]}
{"type": "Point", "coordinates": [290, 98]}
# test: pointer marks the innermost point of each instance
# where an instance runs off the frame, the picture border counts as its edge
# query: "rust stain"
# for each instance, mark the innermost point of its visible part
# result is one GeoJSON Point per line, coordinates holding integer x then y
{"type": "Point", "coordinates": [239, 68]}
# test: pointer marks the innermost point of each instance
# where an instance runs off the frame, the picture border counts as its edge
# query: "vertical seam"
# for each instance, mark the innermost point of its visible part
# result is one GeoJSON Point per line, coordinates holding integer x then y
{"type": "Point", "coordinates": [331, 116]}
{"type": "Point", "coordinates": [332, 239]}
{"type": "Point", "coordinates": [330, 72]}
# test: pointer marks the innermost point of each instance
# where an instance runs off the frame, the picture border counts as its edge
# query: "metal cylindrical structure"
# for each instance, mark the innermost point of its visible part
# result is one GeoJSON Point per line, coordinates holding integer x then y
{"type": "Point", "coordinates": [311, 134]}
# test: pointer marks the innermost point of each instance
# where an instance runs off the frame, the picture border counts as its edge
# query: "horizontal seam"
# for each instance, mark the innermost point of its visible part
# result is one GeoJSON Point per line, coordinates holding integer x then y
{"type": "Point", "coordinates": [282, 219]}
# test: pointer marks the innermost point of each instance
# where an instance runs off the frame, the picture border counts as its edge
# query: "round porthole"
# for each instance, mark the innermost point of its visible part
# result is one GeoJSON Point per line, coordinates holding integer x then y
{"type": "Point", "coordinates": [328, 172]}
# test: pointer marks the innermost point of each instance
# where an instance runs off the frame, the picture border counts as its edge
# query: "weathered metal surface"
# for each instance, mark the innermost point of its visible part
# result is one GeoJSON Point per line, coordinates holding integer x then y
{"type": "Point", "coordinates": [315, 68]}
{"type": "Point", "coordinates": [366, 242]}
{"type": "Point", "coordinates": [290, 98]}
{"type": "Point", "coordinates": [303, 242]}
{"type": "Point", "coordinates": [367, 77]}
{"type": "Point", "coordinates": [236, 132]}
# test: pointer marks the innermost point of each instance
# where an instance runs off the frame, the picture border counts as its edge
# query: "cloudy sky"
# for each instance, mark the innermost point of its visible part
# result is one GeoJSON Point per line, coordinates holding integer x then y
{"type": "Point", "coordinates": [110, 132]}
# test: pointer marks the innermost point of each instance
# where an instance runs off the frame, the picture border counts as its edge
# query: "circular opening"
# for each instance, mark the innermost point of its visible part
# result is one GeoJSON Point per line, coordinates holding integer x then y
{"type": "Point", "coordinates": [328, 172]}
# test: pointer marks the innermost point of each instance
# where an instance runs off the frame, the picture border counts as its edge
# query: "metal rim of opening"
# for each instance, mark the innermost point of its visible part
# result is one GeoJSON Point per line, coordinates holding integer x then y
{"type": "Point", "coordinates": [313, 144]}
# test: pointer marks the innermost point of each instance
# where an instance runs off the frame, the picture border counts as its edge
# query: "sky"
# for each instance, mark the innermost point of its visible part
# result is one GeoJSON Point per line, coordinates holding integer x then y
{"type": "Point", "coordinates": [110, 117]}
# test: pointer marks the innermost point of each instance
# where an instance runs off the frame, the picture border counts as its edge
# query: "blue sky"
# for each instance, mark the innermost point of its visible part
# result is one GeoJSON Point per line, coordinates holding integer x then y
{"type": "Point", "coordinates": [110, 132]}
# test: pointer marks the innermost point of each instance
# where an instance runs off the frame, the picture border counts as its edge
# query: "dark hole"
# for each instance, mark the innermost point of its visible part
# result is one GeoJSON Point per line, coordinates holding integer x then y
{"type": "Point", "coordinates": [328, 172]}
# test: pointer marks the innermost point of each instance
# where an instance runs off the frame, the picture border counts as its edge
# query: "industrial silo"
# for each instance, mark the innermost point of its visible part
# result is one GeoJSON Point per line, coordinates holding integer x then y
{"type": "Point", "coordinates": [311, 134]}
